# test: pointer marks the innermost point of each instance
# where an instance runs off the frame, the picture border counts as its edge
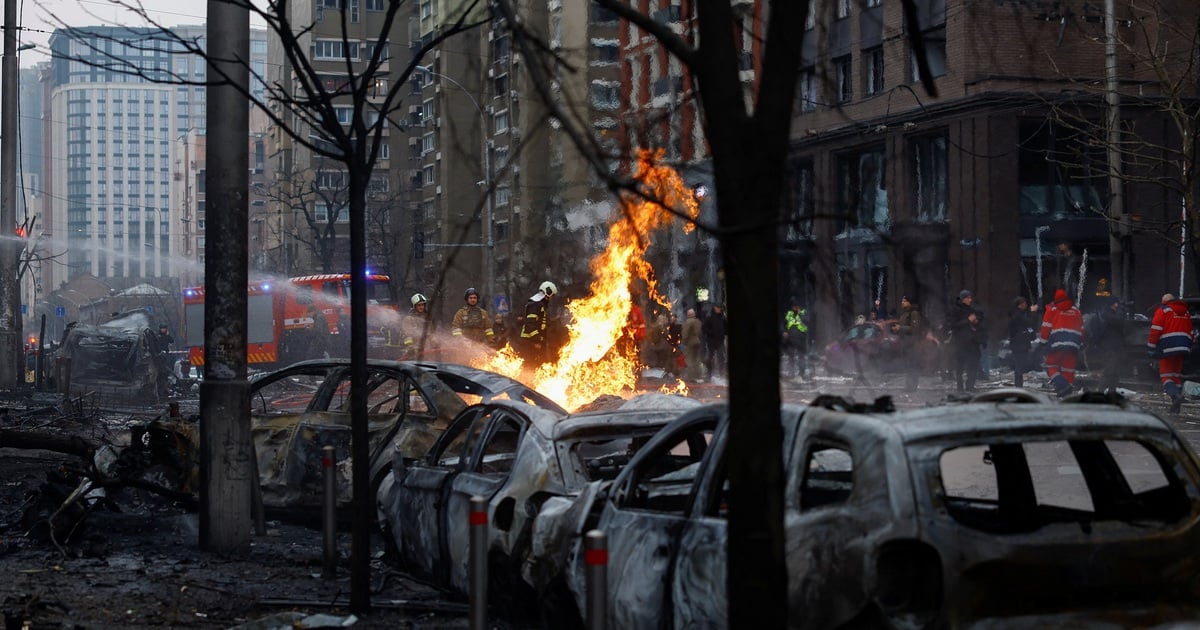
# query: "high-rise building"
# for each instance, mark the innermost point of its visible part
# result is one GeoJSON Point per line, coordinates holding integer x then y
{"type": "Point", "coordinates": [124, 108]}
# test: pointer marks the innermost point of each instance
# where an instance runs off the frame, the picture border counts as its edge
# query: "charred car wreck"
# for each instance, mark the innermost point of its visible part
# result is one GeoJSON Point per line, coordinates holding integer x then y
{"type": "Point", "coordinates": [1008, 511]}
{"type": "Point", "coordinates": [120, 360]}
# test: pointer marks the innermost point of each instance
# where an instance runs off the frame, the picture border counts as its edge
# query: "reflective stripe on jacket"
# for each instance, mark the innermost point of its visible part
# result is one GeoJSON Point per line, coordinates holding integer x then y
{"type": "Point", "coordinates": [1171, 330]}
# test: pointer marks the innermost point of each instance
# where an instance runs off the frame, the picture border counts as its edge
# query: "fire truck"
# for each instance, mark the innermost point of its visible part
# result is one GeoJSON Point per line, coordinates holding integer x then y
{"type": "Point", "coordinates": [299, 318]}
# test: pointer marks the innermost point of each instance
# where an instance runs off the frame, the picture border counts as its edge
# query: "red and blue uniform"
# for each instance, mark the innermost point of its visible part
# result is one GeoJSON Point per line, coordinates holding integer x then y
{"type": "Point", "coordinates": [1171, 340]}
{"type": "Point", "coordinates": [1062, 329]}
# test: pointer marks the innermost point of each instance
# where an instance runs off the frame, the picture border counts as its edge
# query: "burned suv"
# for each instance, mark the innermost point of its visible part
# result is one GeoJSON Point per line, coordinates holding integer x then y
{"type": "Point", "coordinates": [1007, 511]}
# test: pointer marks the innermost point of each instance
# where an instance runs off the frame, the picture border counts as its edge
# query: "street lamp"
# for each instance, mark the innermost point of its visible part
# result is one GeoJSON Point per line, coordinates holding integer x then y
{"type": "Point", "coordinates": [487, 180]}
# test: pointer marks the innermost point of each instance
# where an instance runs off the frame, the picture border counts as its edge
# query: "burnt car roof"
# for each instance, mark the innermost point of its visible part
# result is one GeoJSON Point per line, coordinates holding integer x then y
{"type": "Point", "coordinates": [987, 419]}
{"type": "Point", "coordinates": [460, 378]}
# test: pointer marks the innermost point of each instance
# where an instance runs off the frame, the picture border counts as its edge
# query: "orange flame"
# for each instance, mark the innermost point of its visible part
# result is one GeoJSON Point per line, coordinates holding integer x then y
{"type": "Point", "coordinates": [591, 363]}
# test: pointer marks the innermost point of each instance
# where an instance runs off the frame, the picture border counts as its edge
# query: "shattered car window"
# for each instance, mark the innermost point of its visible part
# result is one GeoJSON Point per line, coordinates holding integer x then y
{"type": "Point", "coordinates": [664, 482]}
{"type": "Point", "coordinates": [287, 395]}
{"type": "Point", "coordinates": [501, 448]}
{"type": "Point", "coordinates": [1020, 487]}
{"type": "Point", "coordinates": [828, 478]}
{"type": "Point", "coordinates": [458, 439]}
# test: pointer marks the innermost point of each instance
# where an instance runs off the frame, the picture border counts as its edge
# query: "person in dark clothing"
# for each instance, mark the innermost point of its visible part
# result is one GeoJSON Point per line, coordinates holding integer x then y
{"type": "Point", "coordinates": [967, 338]}
{"type": "Point", "coordinates": [713, 330]}
{"type": "Point", "coordinates": [1023, 325]}
{"type": "Point", "coordinates": [534, 347]}
{"type": "Point", "coordinates": [911, 326]}
{"type": "Point", "coordinates": [165, 339]}
{"type": "Point", "coordinates": [1105, 333]}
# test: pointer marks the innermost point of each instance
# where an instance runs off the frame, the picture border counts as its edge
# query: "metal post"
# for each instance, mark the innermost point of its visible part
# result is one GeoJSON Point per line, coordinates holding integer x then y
{"type": "Point", "coordinates": [12, 364]}
{"type": "Point", "coordinates": [329, 513]}
{"type": "Point", "coordinates": [595, 557]}
{"type": "Point", "coordinates": [477, 564]}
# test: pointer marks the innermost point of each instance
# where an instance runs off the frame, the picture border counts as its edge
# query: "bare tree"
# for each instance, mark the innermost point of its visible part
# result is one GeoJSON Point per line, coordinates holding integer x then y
{"type": "Point", "coordinates": [1115, 136]}
{"type": "Point", "coordinates": [342, 119]}
{"type": "Point", "coordinates": [748, 140]}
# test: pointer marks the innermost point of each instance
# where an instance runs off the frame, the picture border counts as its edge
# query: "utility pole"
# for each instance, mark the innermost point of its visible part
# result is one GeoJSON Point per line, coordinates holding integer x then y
{"type": "Point", "coordinates": [227, 463]}
{"type": "Point", "coordinates": [11, 360]}
{"type": "Point", "coordinates": [1118, 220]}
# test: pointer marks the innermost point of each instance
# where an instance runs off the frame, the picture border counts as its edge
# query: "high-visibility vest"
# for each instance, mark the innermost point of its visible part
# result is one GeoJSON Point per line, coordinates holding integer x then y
{"type": "Point", "coordinates": [796, 320]}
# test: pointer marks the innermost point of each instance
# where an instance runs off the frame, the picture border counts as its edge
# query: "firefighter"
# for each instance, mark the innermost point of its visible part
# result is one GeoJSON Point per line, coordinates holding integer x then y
{"type": "Point", "coordinates": [472, 321]}
{"type": "Point", "coordinates": [1170, 342]}
{"type": "Point", "coordinates": [413, 325]}
{"type": "Point", "coordinates": [533, 326]}
{"type": "Point", "coordinates": [1062, 328]}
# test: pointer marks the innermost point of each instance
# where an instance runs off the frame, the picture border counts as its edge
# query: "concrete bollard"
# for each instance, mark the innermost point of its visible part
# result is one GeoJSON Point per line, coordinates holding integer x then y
{"type": "Point", "coordinates": [329, 514]}
{"type": "Point", "coordinates": [477, 564]}
{"type": "Point", "coordinates": [595, 558]}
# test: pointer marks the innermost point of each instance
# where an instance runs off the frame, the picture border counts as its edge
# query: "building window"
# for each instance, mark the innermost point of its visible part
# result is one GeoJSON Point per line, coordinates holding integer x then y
{"type": "Point", "coordinates": [843, 9]}
{"type": "Point", "coordinates": [375, 5]}
{"type": "Point", "coordinates": [427, 144]}
{"type": "Point", "coordinates": [335, 49]}
{"type": "Point", "coordinates": [935, 52]}
{"type": "Point", "coordinates": [428, 174]}
{"type": "Point", "coordinates": [426, 9]}
{"type": "Point", "coordinates": [345, 115]}
{"type": "Point", "coordinates": [873, 70]}
{"type": "Point", "coordinates": [605, 52]}
{"type": "Point", "coordinates": [503, 196]}
{"type": "Point", "coordinates": [1058, 172]}
{"type": "Point", "coordinates": [928, 166]}
{"type": "Point", "coordinates": [500, 47]}
{"type": "Point", "coordinates": [500, 121]}
{"type": "Point", "coordinates": [874, 3]}
{"type": "Point", "coordinates": [602, 15]}
{"type": "Point", "coordinates": [326, 211]}
{"type": "Point", "coordinates": [500, 86]}
{"type": "Point", "coordinates": [800, 201]}
{"type": "Point", "coordinates": [862, 190]}
{"type": "Point", "coordinates": [808, 90]}
{"type": "Point", "coordinates": [844, 75]}
{"type": "Point", "coordinates": [606, 95]}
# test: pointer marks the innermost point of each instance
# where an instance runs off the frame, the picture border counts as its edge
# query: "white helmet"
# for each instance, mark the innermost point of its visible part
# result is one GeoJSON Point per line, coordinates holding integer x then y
{"type": "Point", "coordinates": [417, 298]}
{"type": "Point", "coordinates": [548, 288]}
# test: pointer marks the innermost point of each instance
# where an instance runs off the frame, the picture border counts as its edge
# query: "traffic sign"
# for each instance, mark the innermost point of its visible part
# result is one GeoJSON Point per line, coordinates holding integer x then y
{"type": "Point", "coordinates": [60, 311]}
{"type": "Point", "coordinates": [500, 304]}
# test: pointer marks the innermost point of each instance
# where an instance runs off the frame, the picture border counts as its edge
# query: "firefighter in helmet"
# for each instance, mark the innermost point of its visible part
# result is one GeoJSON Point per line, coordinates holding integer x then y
{"type": "Point", "coordinates": [472, 321]}
{"type": "Point", "coordinates": [412, 327]}
{"type": "Point", "coordinates": [533, 326]}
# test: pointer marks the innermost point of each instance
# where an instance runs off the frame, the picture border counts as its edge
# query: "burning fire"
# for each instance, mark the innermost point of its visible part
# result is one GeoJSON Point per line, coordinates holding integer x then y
{"type": "Point", "coordinates": [592, 363]}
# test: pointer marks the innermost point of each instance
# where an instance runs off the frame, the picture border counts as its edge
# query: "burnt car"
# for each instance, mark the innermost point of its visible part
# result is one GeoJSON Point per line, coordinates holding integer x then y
{"type": "Point", "coordinates": [297, 410]}
{"type": "Point", "coordinates": [518, 457]}
{"type": "Point", "coordinates": [874, 347]}
{"type": "Point", "coordinates": [1007, 511]}
{"type": "Point", "coordinates": [119, 360]}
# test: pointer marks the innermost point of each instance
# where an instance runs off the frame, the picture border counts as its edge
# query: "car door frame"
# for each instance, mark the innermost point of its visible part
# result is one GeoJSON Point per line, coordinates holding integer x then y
{"type": "Point", "coordinates": [422, 487]}
{"type": "Point", "coordinates": [470, 481]}
{"type": "Point", "coordinates": [630, 571]}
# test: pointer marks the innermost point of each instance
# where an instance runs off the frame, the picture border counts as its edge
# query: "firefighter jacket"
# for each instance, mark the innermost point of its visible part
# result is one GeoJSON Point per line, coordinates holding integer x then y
{"type": "Point", "coordinates": [393, 335]}
{"type": "Point", "coordinates": [473, 323]}
{"type": "Point", "coordinates": [1171, 330]}
{"type": "Point", "coordinates": [413, 326]}
{"type": "Point", "coordinates": [533, 326]}
{"type": "Point", "coordinates": [1062, 325]}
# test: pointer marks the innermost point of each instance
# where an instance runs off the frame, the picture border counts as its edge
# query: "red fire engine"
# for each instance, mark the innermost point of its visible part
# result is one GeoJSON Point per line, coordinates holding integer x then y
{"type": "Point", "coordinates": [292, 320]}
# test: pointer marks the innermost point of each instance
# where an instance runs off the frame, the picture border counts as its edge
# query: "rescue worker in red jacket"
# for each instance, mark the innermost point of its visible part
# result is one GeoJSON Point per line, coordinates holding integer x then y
{"type": "Point", "coordinates": [1062, 328]}
{"type": "Point", "coordinates": [1170, 342]}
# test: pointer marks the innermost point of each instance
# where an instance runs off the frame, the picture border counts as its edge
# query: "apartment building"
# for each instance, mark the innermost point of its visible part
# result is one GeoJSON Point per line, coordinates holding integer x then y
{"type": "Point", "coordinates": [123, 172]}
{"type": "Point", "coordinates": [998, 183]}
